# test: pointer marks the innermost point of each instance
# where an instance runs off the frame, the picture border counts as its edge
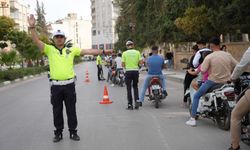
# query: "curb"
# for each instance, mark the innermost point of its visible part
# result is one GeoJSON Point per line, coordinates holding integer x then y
{"type": "Point", "coordinates": [5, 83]}
{"type": "Point", "coordinates": [175, 79]}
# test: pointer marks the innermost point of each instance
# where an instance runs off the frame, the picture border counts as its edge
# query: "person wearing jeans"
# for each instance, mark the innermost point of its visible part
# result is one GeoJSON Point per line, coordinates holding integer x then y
{"type": "Point", "coordinates": [155, 65]}
{"type": "Point", "coordinates": [146, 84]}
{"type": "Point", "coordinates": [202, 90]}
{"type": "Point", "coordinates": [219, 66]}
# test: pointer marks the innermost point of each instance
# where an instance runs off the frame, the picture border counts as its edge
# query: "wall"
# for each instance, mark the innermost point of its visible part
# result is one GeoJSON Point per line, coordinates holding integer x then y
{"type": "Point", "coordinates": [237, 49]}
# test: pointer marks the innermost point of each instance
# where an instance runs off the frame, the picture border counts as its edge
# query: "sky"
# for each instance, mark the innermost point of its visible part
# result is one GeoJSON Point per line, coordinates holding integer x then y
{"type": "Point", "coordinates": [58, 9]}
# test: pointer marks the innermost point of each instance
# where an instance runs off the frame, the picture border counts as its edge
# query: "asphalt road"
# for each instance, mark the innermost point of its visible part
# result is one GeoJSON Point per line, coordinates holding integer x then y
{"type": "Point", "coordinates": [26, 120]}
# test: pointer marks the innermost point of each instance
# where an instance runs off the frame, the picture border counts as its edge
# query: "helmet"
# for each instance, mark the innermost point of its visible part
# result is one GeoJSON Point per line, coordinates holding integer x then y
{"type": "Point", "coordinates": [58, 32]}
{"type": "Point", "coordinates": [129, 42]}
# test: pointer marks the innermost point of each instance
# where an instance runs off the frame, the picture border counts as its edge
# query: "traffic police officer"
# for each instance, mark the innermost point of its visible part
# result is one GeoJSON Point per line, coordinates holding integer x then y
{"type": "Point", "coordinates": [99, 68]}
{"type": "Point", "coordinates": [131, 59]}
{"type": "Point", "coordinates": [62, 77]}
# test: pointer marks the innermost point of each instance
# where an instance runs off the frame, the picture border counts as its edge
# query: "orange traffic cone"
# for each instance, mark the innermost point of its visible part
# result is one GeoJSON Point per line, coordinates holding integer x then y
{"type": "Point", "coordinates": [106, 97]}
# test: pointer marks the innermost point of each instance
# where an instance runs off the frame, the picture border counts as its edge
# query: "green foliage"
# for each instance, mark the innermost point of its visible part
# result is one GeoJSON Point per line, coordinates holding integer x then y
{"type": "Point", "coordinates": [10, 75]}
{"type": "Point", "coordinates": [24, 45]}
{"type": "Point", "coordinates": [8, 57]}
{"type": "Point", "coordinates": [41, 21]}
{"type": "Point", "coordinates": [150, 22]}
{"type": "Point", "coordinates": [6, 25]}
{"type": "Point", "coordinates": [194, 21]}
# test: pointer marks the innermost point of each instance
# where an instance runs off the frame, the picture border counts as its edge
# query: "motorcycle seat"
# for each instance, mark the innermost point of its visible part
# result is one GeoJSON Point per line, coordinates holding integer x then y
{"type": "Point", "coordinates": [155, 80]}
{"type": "Point", "coordinates": [217, 86]}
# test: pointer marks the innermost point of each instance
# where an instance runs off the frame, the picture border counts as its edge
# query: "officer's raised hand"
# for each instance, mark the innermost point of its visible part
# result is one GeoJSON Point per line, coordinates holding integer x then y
{"type": "Point", "coordinates": [31, 20]}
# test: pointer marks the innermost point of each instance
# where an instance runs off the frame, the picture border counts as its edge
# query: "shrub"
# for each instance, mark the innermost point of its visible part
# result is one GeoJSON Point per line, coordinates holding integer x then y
{"type": "Point", "coordinates": [13, 74]}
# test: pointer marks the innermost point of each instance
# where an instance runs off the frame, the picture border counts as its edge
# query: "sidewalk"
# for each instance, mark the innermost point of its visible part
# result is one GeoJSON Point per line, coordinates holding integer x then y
{"type": "Point", "coordinates": [173, 75]}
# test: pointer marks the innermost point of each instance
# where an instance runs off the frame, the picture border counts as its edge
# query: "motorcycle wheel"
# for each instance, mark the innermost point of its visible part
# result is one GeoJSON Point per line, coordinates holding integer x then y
{"type": "Point", "coordinates": [224, 116]}
{"type": "Point", "coordinates": [157, 101]}
{"type": "Point", "coordinates": [121, 83]}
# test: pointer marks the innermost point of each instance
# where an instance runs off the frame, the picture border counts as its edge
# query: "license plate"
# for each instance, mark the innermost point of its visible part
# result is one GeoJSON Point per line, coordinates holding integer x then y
{"type": "Point", "coordinates": [156, 87]}
{"type": "Point", "coordinates": [232, 104]}
{"type": "Point", "coordinates": [121, 75]}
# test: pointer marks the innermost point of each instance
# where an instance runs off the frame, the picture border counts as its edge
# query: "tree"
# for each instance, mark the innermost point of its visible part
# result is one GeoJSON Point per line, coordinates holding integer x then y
{"type": "Point", "coordinates": [194, 22]}
{"type": "Point", "coordinates": [25, 45]}
{"type": "Point", "coordinates": [8, 57]}
{"type": "Point", "coordinates": [41, 21]}
{"type": "Point", "coordinates": [6, 25]}
{"type": "Point", "coordinates": [150, 22]}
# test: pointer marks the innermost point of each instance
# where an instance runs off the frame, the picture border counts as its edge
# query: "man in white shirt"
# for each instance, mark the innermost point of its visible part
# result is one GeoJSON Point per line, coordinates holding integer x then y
{"type": "Point", "coordinates": [118, 62]}
{"type": "Point", "coordinates": [198, 59]}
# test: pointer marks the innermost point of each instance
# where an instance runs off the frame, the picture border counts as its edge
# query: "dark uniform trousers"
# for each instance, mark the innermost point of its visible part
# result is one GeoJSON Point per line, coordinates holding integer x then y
{"type": "Point", "coordinates": [99, 72]}
{"type": "Point", "coordinates": [66, 94]}
{"type": "Point", "coordinates": [131, 79]}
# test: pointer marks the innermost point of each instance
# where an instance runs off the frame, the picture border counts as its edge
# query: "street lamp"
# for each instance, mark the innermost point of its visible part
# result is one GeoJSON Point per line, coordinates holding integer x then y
{"type": "Point", "coordinates": [4, 5]}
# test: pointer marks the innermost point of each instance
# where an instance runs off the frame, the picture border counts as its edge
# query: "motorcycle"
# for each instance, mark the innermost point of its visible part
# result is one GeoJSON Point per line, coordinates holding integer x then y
{"type": "Point", "coordinates": [155, 91]}
{"type": "Point", "coordinates": [118, 77]}
{"type": "Point", "coordinates": [217, 105]}
{"type": "Point", "coordinates": [240, 88]}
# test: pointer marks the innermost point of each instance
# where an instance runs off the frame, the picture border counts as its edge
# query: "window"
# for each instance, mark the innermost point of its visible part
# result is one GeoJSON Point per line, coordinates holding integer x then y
{"type": "Point", "coordinates": [101, 46]}
{"type": "Point", "coordinates": [94, 32]}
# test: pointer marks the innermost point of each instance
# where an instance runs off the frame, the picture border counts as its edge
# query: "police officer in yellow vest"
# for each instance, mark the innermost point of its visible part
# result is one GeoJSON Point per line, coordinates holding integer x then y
{"type": "Point", "coordinates": [131, 59]}
{"type": "Point", "coordinates": [99, 68]}
{"type": "Point", "coordinates": [62, 77]}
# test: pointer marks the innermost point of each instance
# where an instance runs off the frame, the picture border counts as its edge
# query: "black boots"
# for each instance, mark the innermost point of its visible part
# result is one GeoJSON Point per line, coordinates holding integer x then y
{"type": "Point", "coordinates": [74, 136]}
{"type": "Point", "coordinates": [58, 137]}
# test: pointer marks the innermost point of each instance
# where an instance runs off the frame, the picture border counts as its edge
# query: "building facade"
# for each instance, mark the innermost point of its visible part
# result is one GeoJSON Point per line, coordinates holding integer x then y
{"type": "Point", "coordinates": [104, 15]}
{"type": "Point", "coordinates": [5, 7]}
{"type": "Point", "coordinates": [17, 10]}
{"type": "Point", "coordinates": [77, 30]}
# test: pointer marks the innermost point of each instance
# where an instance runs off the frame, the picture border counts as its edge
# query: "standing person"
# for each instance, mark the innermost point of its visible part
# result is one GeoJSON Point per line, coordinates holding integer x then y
{"type": "Point", "coordinates": [219, 66]}
{"type": "Point", "coordinates": [99, 68]}
{"type": "Point", "coordinates": [118, 62]}
{"type": "Point", "coordinates": [170, 57]}
{"type": "Point", "coordinates": [131, 59]}
{"type": "Point", "coordinates": [62, 78]}
{"type": "Point", "coordinates": [109, 64]}
{"type": "Point", "coordinates": [155, 65]}
{"type": "Point", "coordinates": [189, 77]}
{"type": "Point", "coordinates": [243, 106]}
{"type": "Point", "coordinates": [113, 69]}
{"type": "Point", "coordinates": [117, 65]}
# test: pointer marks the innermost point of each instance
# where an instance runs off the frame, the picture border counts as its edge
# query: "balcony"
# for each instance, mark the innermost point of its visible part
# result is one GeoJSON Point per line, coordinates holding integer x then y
{"type": "Point", "coordinates": [14, 5]}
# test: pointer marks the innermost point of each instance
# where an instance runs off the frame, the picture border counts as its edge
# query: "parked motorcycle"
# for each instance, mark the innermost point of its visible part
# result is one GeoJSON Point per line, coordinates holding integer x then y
{"type": "Point", "coordinates": [240, 88]}
{"type": "Point", "coordinates": [217, 105]}
{"type": "Point", "coordinates": [155, 91]}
